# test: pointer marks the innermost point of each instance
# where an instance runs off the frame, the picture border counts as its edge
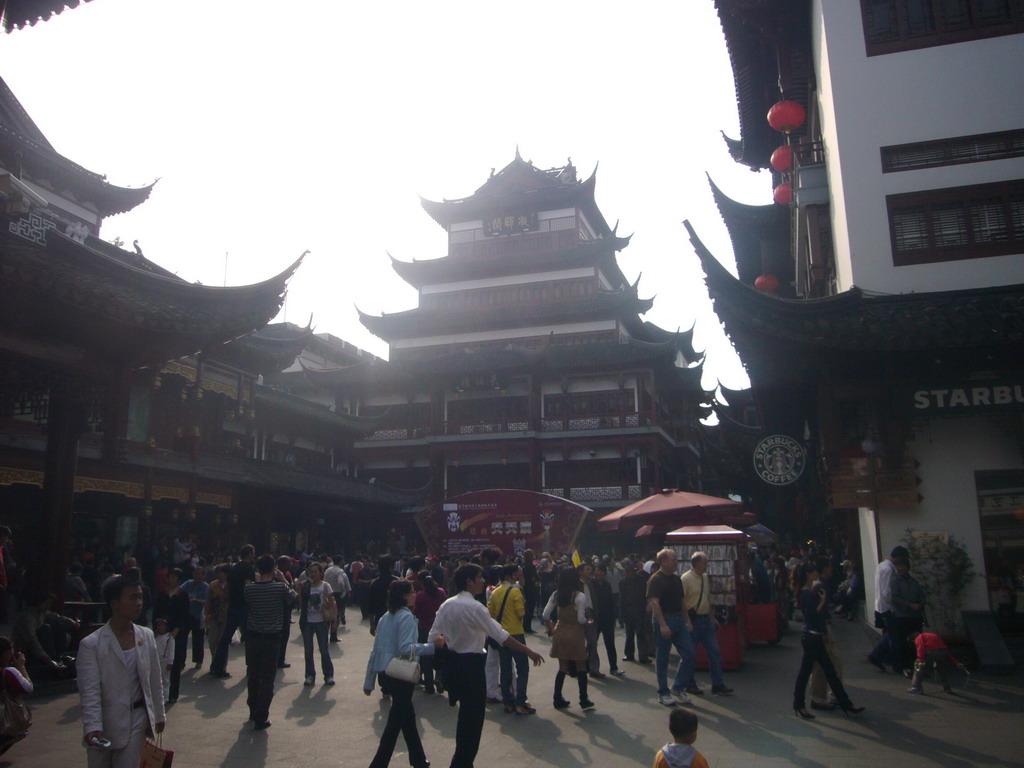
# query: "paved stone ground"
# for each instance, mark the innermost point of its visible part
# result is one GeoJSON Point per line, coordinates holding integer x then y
{"type": "Point", "coordinates": [755, 728]}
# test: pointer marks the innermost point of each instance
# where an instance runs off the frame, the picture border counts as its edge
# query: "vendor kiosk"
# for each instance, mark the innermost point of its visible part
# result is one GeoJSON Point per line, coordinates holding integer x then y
{"type": "Point", "coordinates": [728, 572]}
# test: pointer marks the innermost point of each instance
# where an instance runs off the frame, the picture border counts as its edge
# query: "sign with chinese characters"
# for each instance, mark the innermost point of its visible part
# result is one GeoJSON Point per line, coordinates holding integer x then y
{"type": "Point", "coordinates": [511, 520]}
{"type": "Point", "coordinates": [779, 459]}
{"type": "Point", "coordinates": [511, 224]}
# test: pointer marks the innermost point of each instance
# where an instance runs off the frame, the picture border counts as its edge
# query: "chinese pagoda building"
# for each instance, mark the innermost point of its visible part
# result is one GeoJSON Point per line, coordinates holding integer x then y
{"type": "Point", "coordinates": [131, 404]}
{"type": "Point", "coordinates": [879, 307]}
{"type": "Point", "coordinates": [526, 363]}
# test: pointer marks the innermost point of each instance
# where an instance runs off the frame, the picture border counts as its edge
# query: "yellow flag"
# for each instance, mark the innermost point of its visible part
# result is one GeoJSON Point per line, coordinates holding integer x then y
{"type": "Point", "coordinates": [576, 559]}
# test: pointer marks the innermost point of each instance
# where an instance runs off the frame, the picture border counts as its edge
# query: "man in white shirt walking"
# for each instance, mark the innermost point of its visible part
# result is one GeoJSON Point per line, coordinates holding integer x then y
{"type": "Point", "coordinates": [465, 623]}
{"type": "Point", "coordinates": [883, 651]}
{"type": "Point", "coordinates": [336, 577]}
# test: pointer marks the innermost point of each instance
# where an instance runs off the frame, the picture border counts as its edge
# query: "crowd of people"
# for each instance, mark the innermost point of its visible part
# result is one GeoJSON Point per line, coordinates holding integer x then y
{"type": "Point", "coordinates": [464, 620]}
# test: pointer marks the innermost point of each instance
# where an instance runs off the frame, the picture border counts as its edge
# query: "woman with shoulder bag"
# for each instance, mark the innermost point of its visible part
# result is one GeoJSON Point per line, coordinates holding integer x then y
{"type": "Point", "coordinates": [565, 618]}
{"type": "Point", "coordinates": [396, 638]}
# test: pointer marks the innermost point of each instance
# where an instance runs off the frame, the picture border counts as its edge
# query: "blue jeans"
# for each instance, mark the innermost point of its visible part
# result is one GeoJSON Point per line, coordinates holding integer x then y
{"type": "Point", "coordinates": [680, 638]}
{"type": "Point", "coordinates": [506, 656]}
{"type": "Point", "coordinates": [704, 632]}
{"type": "Point", "coordinates": [320, 629]}
{"type": "Point", "coordinates": [883, 650]}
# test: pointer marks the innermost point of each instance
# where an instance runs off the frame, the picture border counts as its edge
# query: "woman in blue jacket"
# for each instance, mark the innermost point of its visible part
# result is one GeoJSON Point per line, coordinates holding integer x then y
{"type": "Point", "coordinates": [396, 636]}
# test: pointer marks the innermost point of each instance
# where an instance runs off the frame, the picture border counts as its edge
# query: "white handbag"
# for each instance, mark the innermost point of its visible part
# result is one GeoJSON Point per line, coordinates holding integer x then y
{"type": "Point", "coordinates": [402, 668]}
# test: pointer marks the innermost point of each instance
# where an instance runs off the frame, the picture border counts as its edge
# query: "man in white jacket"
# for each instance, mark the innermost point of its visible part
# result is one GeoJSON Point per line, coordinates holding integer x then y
{"type": "Point", "coordinates": [119, 682]}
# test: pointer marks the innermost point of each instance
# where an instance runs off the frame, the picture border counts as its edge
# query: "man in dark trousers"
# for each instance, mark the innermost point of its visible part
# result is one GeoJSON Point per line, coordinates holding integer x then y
{"type": "Point", "coordinates": [464, 624]}
{"type": "Point", "coordinates": [884, 650]}
{"type": "Point", "coordinates": [633, 594]}
{"type": "Point", "coordinates": [604, 615]}
{"type": "Point", "coordinates": [377, 593]}
{"type": "Point", "coordinates": [266, 598]}
{"type": "Point", "coordinates": [241, 573]}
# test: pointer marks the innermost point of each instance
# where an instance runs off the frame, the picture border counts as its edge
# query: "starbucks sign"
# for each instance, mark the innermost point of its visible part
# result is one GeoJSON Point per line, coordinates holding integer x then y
{"type": "Point", "coordinates": [779, 459]}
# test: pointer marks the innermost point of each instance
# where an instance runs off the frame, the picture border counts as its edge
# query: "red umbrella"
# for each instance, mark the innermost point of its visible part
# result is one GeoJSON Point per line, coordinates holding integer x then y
{"type": "Point", "coordinates": [670, 507]}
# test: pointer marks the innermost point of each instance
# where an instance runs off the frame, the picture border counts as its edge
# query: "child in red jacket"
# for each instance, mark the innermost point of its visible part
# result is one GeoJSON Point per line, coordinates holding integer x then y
{"type": "Point", "coordinates": [931, 652]}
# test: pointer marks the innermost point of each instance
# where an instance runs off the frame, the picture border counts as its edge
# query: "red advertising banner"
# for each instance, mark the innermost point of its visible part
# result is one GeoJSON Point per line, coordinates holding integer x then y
{"type": "Point", "coordinates": [511, 520]}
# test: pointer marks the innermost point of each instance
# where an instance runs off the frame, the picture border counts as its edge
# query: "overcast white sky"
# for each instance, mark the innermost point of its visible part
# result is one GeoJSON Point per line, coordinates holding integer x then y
{"type": "Point", "coordinates": [314, 124]}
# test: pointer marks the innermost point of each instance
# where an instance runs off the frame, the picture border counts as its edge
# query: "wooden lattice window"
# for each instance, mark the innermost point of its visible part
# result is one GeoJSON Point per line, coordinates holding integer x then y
{"type": "Point", "coordinates": [891, 26]}
{"type": "Point", "coordinates": [953, 151]}
{"type": "Point", "coordinates": [957, 223]}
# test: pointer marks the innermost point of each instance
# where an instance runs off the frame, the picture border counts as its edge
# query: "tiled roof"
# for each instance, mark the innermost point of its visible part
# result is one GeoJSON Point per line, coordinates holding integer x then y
{"type": "Point", "coordinates": [37, 158]}
{"type": "Point", "coordinates": [420, 322]}
{"type": "Point", "coordinates": [22, 13]}
{"type": "Point", "coordinates": [515, 359]}
{"type": "Point", "coordinates": [757, 32]}
{"type": "Point", "coordinates": [971, 319]}
{"type": "Point", "coordinates": [80, 298]}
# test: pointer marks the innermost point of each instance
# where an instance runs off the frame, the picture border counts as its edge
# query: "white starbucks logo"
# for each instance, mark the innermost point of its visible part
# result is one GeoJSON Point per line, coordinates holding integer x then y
{"type": "Point", "coordinates": [779, 459]}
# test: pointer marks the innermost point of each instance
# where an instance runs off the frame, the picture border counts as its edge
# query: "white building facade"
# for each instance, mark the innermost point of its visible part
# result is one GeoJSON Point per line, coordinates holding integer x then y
{"type": "Point", "coordinates": [908, 205]}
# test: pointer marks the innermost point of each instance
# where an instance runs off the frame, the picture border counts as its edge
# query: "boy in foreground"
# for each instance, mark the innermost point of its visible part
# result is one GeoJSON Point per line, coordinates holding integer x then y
{"type": "Point", "coordinates": [681, 753]}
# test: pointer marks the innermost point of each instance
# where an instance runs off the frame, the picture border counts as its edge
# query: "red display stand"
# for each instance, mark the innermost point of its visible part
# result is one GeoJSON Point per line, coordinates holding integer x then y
{"type": "Point", "coordinates": [728, 645]}
{"type": "Point", "coordinates": [762, 622]}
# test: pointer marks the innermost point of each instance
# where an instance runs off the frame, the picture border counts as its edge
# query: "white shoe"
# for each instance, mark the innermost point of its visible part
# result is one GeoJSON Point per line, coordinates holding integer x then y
{"type": "Point", "coordinates": [666, 700]}
{"type": "Point", "coordinates": [309, 681]}
{"type": "Point", "coordinates": [681, 697]}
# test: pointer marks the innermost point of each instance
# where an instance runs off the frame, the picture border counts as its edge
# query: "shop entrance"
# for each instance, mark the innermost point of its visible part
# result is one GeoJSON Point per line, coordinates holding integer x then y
{"type": "Point", "coordinates": [1001, 508]}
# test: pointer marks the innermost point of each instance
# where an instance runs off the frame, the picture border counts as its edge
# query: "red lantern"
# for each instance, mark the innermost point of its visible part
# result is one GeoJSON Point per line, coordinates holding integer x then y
{"type": "Point", "coordinates": [783, 193]}
{"type": "Point", "coordinates": [766, 283]}
{"type": "Point", "coordinates": [786, 116]}
{"type": "Point", "coordinates": [782, 159]}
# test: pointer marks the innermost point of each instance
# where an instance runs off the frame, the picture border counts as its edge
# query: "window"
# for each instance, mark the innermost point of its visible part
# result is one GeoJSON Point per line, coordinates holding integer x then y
{"type": "Point", "coordinates": [957, 223]}
{"type": "Point", "coordinates": [903, 25]}
{"type": "Point", "coordinates": [589, 403]}
{"type": "Point", "coordinates": [954, 151]}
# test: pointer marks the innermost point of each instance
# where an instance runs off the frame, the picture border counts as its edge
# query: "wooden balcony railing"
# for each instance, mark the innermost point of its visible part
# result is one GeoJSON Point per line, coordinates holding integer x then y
{"type": "Point", "coordinates": [575, 423]}
{"type": "Point", "coordinates": [598, 493]}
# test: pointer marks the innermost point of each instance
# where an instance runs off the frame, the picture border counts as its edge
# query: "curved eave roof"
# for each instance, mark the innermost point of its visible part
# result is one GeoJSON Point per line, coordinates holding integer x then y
{"type": "Point", "coordinates": [418, 273]}
{"type": "Point", "coordinates": [754, 31]}
{"type": "Point", "coordinates": [416, 323]}
{"type": "Point", "coordinates": [103, 309]}
{"type": "Point", "coordinates": [268, 350]}
{"type": "Point", "coordinates": [23, 145]}
{"type": "Point", "coordinates": [684, 339]}
{"type": "Point", "coordinates": [335, 487]}
{"type": "Point", "coordinates": [759, 234]}
{"type": "Point", "coordinates": [971, 319]}
{"type": "Point", "coordinates": [727, 420]}
{"type": "Point", "coordinates": [41, 163]}
{"type": "Point", "coordinates": [26, 13]}
{"type": "Point", "coordinates": [293, 405]}
{"type": "Point", "coordinates": [511, 359]}
{"type": "Point", "coordinates": [737, 397]}
{"type": "Point", "coordinates": [544, 197]}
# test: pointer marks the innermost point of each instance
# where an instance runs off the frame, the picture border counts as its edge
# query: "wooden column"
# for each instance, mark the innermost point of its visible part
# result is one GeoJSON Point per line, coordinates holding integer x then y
{"type": "Point", "coordinates": [66, 420]}
{"type": "Point", "coordinates": [117, 400]}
